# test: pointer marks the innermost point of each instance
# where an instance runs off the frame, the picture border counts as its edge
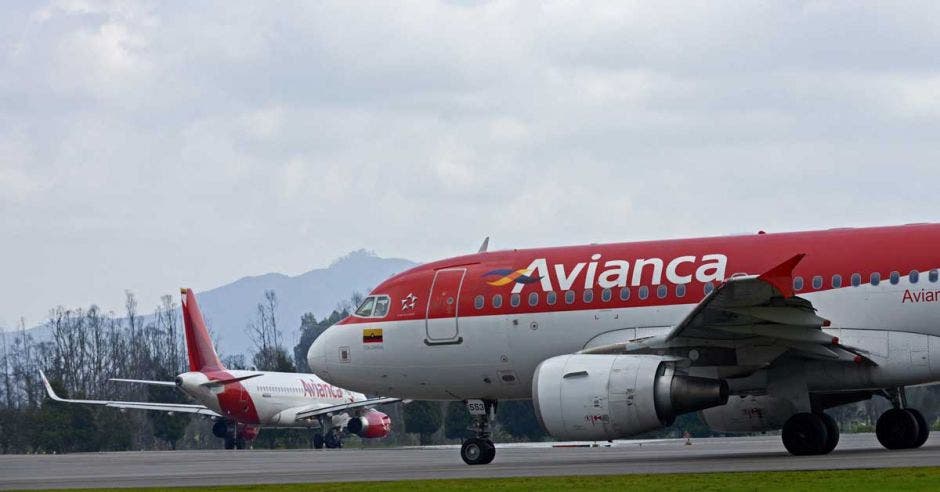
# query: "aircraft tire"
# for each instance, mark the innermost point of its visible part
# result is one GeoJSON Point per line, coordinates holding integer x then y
{"type": "Point", "coordinates": [897, 429]}
{"type": "Point", "coordinates": [923, 430]}
{"type": "Point", "coordinates": [229, 443]}
{"type": "Point", "coordinates": [477, 451]}
{"type": "Point", "coordinates": [832, 433]}
{"type": "Point", "coordinates": [318, 441]}
{"type": "Point", "coordinates": [805, 434]}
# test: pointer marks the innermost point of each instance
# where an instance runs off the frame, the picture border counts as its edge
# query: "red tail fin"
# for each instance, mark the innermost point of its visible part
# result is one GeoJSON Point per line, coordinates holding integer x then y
{"type": "Point", "coordinates": [198, 344]}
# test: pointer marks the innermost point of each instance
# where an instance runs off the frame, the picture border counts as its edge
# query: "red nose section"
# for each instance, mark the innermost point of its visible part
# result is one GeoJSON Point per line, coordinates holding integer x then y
{"type": "Point", "coordinates": [379, 425]}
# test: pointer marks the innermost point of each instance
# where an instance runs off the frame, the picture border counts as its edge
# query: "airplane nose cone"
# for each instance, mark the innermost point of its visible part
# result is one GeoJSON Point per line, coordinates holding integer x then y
{"type": "Point", "coordinates": [316, 356]}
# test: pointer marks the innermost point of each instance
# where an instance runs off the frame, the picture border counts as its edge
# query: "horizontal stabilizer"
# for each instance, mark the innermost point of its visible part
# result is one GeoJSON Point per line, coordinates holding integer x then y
{"type": "Point", "coordinates": [223, 382]}
{"type": "Point", "coordinates": [144, 381]}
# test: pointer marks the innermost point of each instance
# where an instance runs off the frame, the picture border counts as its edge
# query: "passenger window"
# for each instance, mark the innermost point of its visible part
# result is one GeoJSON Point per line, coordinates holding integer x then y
{"type": "Point", "coordinates": [836, 281]}
{"type": "Point", "coordinates": [797, 283]}
{"type": "Point", "coordinates": [914, 276]}
{"type": "Point", "coordinates": [817, 282]}
{"type": "Point", "coordinates": [625, 293]}
{"type": "Point", "coordinates": [644, 292]}
{"type": "Point", "coordinates": [533, 299]}
{"type": "Point", "coordinates": [478, 302]}
{"type": "Point", "coordinates": [365, 307]}
{"type": "Point", "coordinates": [709, 287]}
{"type": "Point", "coordinates": [514, 300]}
{"type": "Point", "coordinates": [551, 297]}
{"type": "Point", "coordinates": [588, 295]}
{"type": "Point", "coordinates": [875, 278]}
{"type": "Point", "coordinates": [680, 290]}
{"type": "Point", "coordinates": [381, 307]}
{"type": "Point", "coordinates": [497, 301]}
{"type": "Point", "coordinates": [895, 278]}
{"type": "Point", "coordinates": [661, 291]}
{"type": "Point", "coordinates": [932, 276]}
{"type": "Point", "coordinates": [606, 295]}
{"type": "Point", "coordinates": [856, 280]}
{"type": "Point", "coordinates": [569, 297]}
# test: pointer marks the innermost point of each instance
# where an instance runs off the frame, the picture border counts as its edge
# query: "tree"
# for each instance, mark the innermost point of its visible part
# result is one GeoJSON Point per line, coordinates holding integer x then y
{"type": "Point", "coordinates": [166, 426]}
{"type": "Point", "coordinates": [517, 417]}
{"type": "Point", "coordinates": [457, 421]}
{"type": "Point", "coordinates": [423, 418]}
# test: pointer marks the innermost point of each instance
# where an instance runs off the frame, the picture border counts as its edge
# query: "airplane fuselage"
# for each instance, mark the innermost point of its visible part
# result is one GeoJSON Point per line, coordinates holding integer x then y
{"type": "Point", "coordinates": [270, 399]}
{"type": "Point", "coordinates": [477, 326]}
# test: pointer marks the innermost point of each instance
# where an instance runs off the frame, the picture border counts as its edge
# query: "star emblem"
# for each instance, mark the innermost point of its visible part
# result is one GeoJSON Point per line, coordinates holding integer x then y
{"type": "Point", "coordinates": [408, 302]}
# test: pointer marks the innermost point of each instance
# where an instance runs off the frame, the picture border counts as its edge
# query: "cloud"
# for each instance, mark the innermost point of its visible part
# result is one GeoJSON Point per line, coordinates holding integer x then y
{"type": "Point", "coordinates": [148, 144]}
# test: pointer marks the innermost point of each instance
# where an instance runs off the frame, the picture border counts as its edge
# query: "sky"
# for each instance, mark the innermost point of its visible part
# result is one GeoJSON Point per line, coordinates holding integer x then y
{"type": "Point", "coordinates": [149, 145]}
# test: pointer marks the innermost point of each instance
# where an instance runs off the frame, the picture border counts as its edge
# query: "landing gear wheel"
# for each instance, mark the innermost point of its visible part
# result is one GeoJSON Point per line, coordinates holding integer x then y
{"type": "Point", "coordinates": [897, 429]}
{"type": "Point", "coordinates": [241, 444]}
{"type": "Point", "coordinates": [477, 451]}
{"type": "Point", "coordinates": [489, 451]}
{"type": "Point", "coordinates": [922, 427]}
{"type": "Point", "coordinates": [333, 441]}
{"type": "Point", "coordinates": [229, 443]}
{"type": "Point", "coordinates": [318, 441]}
{"type": "Point", "coordinates": [805, 434]}
{"type": "Point", "coordinates": [832, 433]}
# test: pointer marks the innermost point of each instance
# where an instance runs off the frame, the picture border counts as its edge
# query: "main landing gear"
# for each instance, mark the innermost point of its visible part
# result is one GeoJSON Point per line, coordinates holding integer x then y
{"type": "Point", "coordinates": [479, 450]}
{"type": "Point", "coordinates": [228, 431]}
{"type": "Point", "coordinates": [807, 434]}
{"type": "Point", "coordinates": [331, 439]}
{"type": "Point", "coordinates": [900, 427]}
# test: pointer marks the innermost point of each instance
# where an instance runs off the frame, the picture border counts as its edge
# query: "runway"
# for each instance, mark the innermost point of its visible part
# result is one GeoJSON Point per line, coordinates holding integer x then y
{"type": "Point", "coordinates": [219, 467]}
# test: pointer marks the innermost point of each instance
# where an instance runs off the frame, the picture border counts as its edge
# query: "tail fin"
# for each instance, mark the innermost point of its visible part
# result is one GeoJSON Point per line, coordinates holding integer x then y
{"type": "Point", "coordinates": [198, 344]}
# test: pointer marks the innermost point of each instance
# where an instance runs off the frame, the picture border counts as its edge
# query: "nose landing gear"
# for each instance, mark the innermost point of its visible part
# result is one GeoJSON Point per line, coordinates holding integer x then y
{"type": "Point", "coordinates": [479, 450]}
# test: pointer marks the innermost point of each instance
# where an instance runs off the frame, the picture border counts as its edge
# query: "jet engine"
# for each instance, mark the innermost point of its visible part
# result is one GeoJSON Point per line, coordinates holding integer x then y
{"type": "Point", "coordinates": [604, 397]}
{"type": "Point", "coordinates": [749, 414]}
{"type": "Point", "coordinates": [371, 425]}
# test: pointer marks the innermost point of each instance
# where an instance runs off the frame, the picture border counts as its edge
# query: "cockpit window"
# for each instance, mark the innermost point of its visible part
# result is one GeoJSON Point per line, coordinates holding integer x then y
{"type": "Point", "coordinates": [365, 308]}
{"type": "Point", "coordinates": [381, 307]}
{"type": "Point", "coordinates": [373, 307]}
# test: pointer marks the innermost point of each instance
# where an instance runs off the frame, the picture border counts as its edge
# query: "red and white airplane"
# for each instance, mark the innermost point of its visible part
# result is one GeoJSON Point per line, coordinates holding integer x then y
{"type": "Point", "coordinates": [242, 402]}
{"type": "Point", "coordinates": [758, 332]}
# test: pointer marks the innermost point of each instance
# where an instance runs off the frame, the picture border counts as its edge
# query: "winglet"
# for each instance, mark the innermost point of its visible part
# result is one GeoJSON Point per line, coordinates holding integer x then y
{"type": "Point", "coordinates": [485, 245]}
{"type": "Point", "coordinates": [781, 276]}
{"type": "Point", "coordinates": [48, 386]}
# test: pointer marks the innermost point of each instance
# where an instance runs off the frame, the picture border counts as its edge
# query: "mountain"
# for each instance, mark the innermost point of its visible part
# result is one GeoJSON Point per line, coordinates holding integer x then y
{"type": "Point", "coordinates": [228, 309]}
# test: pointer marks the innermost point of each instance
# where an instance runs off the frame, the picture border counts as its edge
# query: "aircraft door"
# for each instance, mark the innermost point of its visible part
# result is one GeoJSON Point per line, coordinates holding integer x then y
{"type": "Point", "coordinates": [442, 318]}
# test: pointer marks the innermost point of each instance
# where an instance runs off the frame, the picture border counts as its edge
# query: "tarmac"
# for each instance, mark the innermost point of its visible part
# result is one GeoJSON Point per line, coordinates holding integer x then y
{"type": "Point", "coordinates": [221, 467]}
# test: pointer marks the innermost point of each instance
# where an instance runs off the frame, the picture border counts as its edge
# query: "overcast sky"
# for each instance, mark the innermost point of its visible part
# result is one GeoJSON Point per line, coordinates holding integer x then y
{"type": "Point", "coordinates": [149, 145]}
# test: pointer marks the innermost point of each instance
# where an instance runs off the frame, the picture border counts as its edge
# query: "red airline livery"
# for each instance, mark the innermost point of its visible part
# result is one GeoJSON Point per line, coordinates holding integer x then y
{"type": "Point", "coordinates": [757, 332]}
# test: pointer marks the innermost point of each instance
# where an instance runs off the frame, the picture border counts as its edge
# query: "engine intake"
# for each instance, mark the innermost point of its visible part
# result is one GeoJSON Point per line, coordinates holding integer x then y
{"type": "Point", "coordinates": [373, 424]}
{"type": "Point", "coordinates": [603, 397]}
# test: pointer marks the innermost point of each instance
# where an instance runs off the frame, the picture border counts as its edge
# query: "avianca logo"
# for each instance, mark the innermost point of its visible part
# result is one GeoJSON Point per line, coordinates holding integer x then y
{"type": "Point", "coordinates": [613, 273]}
{"type": "Point", "coordinates": [321, 390]}
{"type": "Point", "coordinates": [506, 276]}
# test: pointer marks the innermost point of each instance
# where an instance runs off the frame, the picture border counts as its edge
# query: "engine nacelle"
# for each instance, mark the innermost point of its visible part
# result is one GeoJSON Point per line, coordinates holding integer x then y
{"type": "Point", "coordinates": [371, 425]}
{"type": "Point", "coordinates": [749, 414]}
{"type": "Point", "coordinates": [604, 397]}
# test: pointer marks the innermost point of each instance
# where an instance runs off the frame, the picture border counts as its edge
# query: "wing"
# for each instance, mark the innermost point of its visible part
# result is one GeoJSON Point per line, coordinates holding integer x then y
{"type": "Point", "coordinates": [137, 405]}
{"type": "Point", "coordinates": [310, 413]}
{"type": "Point", "coordinates": [759, 308]}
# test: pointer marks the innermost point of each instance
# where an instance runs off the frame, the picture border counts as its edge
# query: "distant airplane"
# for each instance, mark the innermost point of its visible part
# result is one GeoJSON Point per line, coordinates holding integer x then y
{"type": "Point", "coordinates": [242, 402]}
{"type": "Point", "coordinates": [758, 332]}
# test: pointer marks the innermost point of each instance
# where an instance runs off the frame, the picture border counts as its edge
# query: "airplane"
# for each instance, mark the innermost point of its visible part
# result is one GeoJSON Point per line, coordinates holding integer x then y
{"type": "Point", "coordinates": [756, 332]}
{"type": "Point", "coordinates": [242, 402]}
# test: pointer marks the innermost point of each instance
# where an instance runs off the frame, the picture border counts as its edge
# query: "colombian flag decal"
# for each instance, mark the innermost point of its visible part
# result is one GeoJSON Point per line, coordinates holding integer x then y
{"type": "Point", "coordinates": [372, 335]}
